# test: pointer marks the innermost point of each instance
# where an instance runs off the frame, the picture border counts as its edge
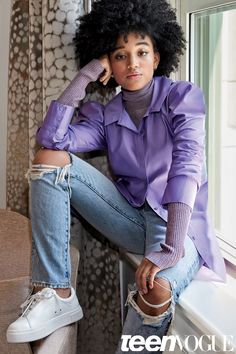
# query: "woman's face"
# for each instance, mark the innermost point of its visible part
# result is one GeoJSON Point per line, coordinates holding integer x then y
{"type": "Point", "coordinates": [133, 61]}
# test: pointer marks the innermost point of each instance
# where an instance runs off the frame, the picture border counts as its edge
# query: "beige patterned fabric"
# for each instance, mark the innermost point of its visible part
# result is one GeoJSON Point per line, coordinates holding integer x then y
{"type": "Point", "coordinates": [42, 62]}
{"type": "Point", "coordinates": [14, 276]}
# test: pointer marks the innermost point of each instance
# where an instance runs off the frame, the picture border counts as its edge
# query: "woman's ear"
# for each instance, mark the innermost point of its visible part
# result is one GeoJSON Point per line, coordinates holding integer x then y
{"type": "Point", "coordinates": [156, 60]}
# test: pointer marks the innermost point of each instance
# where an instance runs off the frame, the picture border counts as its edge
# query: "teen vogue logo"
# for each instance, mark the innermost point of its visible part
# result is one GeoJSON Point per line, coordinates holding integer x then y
{"type": "Point", "coordinates": [205, 343]}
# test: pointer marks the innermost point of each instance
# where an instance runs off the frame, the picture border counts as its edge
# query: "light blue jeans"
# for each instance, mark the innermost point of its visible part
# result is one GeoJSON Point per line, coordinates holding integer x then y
{"type": "Point", "coordinates": [94, 196]}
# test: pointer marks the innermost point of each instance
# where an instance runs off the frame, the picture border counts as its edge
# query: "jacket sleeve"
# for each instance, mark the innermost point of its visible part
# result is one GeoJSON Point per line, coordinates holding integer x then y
{"type": "Point", "coordinates": [85, 134]}
{"type": "Point", "coordinates": [187, 121]}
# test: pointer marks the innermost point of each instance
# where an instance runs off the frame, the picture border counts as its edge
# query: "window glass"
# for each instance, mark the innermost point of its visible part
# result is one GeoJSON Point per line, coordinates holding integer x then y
{"type": "Point", "coordinates": [213, 68]}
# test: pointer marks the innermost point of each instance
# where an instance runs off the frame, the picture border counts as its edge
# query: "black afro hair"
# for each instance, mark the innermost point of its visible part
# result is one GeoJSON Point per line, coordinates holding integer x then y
{"type": "Point", "coordinates": [99, 30]}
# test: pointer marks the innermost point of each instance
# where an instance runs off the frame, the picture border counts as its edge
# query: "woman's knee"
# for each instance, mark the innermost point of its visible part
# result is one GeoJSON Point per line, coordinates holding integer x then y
{"type": "Point", "coordinates": [52, 157]}
{"type": "Point", "coordinates": [160, 295]}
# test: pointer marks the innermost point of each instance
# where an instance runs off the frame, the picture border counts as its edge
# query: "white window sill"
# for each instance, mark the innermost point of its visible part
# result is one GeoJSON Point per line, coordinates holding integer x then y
{"type": "Point", "coordinates": [211, 307]}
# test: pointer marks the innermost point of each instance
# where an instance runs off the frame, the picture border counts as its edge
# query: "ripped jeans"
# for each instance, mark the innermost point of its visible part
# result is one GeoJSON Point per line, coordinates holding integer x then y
{"type": "Point", "coordinates": [95, 197]}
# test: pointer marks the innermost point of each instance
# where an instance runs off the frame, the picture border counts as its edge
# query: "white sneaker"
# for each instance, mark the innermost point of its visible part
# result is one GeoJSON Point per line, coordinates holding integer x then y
{"type": "Point", "coordinates": [43, 313]}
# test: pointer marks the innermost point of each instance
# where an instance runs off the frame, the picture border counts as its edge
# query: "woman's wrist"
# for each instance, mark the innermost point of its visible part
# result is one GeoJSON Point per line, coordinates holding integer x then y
{"type": "Point", "coordinates": [163, 259]}
{"type": "Point", "coordinates": [92, 70]}
{"type": "Point", "coordinates": [75, 91]}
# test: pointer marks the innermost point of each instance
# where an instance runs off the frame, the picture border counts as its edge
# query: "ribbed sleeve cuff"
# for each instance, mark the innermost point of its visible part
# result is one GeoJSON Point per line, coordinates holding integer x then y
{"type": "Point", "coordinates": [177, 226]}
{"type": "Point", "coordinates": [92, 70]}
{"type": "Point", "coordinates": [163, 260]}
{"type": "Point", "coordinates": [160, 260]}
{"type": "Point", "coordinates": [76, 90]}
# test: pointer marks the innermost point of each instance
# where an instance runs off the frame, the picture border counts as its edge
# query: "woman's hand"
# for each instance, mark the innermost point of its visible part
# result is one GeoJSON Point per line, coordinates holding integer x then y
{"type": "Point", "coordinates": [146, 270]}
{"type": "Point", "coordinates": [104, 60]}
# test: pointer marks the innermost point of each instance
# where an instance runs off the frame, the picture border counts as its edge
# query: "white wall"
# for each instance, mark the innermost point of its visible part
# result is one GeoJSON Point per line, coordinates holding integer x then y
{"type": "Point", "coordinates": [5, 7]}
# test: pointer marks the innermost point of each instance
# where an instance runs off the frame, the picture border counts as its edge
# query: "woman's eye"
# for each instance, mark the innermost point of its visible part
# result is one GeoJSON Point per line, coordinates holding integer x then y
{"type": "Point", "coordinates": [142, 53]}
{"type": "Point", "coordinates": [120, 56]}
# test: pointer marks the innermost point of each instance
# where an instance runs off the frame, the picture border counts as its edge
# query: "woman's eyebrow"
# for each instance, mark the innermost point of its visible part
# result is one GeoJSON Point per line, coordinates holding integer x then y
{"type": "Point", "coordinates": [137, 44]}
{"type": "Point", "coordinates": [117, 48]}
{"type": "Point", "coordinates": [143, 43]}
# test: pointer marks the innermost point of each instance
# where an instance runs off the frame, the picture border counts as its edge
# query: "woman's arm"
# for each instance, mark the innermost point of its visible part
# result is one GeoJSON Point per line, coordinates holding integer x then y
{"type": "Point", "coordinates": [75, 92]}
{"type": "Point", "coordinates": [187, 120]}
{"type": "Point", "coordinates": [86, 134]}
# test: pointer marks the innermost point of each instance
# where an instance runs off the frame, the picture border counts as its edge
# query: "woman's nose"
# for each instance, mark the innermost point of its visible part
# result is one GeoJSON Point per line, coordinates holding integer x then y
{"type": "Point", "coordinates": [133, 65]}
{"type": "Point", "coordinates": [133, 62]}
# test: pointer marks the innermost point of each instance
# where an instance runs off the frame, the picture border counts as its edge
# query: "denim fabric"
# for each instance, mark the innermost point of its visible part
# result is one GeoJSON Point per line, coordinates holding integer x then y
{"type": "Point", "coordinates": [95, 197]}
{"type": "Point", "coordinates": [134, 326]}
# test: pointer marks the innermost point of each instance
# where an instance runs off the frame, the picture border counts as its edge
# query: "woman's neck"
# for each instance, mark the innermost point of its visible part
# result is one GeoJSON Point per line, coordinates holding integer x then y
{"type": "Point", "coordinates": [137, 102]}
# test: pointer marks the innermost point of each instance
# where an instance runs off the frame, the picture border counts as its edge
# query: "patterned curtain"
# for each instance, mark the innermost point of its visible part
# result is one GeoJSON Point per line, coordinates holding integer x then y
{"type": "Point", "coordinates": [41, 64]}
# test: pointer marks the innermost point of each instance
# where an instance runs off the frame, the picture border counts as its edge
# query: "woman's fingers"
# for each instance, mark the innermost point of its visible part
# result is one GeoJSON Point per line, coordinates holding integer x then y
{"type": "Point", "coordinates": [105, 62]}
{"type": "Point", "coordinates": [145, 274]}
{"type": "Point", "coordinates": [106, 76]}
{"type": "Point", "coordinates": [141, 276]}
{"type": "Point", "coordinates": [154, 270]}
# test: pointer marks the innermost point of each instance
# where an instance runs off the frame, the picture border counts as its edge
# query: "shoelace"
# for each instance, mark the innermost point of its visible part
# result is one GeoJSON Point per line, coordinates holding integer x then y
{"type": "Point", "coordinates": [34, 299]}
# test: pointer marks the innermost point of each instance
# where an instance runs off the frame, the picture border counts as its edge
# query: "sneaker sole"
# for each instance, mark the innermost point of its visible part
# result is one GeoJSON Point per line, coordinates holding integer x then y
{"type": "Point", "coordinates": [39, 333]}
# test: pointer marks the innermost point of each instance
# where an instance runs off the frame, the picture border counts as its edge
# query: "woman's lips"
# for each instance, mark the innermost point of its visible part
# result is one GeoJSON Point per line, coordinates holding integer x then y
{"type": "Point", "coordinates": [134, 76]}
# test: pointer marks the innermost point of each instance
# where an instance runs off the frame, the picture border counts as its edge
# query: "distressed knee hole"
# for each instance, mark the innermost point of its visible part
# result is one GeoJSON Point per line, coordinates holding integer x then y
{"type": "Point", "coordinates": [157, 300]}
{"type": "Point", "coordinates": [159, 315]}
{"type": "Point", "coordinates": [38, 171]}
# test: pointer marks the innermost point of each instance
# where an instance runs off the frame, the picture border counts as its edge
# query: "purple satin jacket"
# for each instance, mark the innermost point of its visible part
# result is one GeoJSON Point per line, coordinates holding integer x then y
{"type": "Point", "coordinates": [162, 161]}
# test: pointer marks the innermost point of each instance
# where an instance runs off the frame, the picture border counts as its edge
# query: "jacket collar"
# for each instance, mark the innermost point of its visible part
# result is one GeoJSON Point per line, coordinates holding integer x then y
{"type": "Point", "coordinates": [115, 110]}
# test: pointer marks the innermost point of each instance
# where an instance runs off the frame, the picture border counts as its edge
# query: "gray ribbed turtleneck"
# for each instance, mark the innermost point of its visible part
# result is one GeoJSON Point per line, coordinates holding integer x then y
{"type": "Point", "coordinates": [137, 102]}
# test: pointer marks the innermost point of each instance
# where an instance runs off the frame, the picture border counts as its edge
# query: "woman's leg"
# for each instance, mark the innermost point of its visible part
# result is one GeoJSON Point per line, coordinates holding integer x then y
{"type": "Point", "coordinates": [94, 196]}
{"type": "Point", "coordinates": [142, 318]}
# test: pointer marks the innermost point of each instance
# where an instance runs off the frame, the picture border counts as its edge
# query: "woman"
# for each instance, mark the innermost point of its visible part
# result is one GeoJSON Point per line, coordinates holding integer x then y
{"type": "Point", "coordinates": [153, 132]}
